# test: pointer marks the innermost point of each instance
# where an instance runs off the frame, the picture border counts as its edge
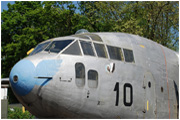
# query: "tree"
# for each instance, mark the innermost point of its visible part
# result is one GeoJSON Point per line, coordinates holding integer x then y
{"type": "Point", "coordinates": [158, 21]}
{"type": "Point", "coordinates": [161, 22]}
{"type": "Point", "coordinates": [110, 16]}
{"type": "Point", "coordinates": [14, 38]}
{"type": "Point", "coordinates": [25, 24]}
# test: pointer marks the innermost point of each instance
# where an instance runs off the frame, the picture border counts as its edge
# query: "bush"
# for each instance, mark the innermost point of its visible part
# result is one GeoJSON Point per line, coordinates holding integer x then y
{"type": "Point", "coordinates": [16, 113]}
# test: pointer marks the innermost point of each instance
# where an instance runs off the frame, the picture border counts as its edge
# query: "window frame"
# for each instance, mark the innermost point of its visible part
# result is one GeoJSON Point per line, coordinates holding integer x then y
{"type": "Point", "coordinates": [92, 45]}
{"type": "Point", "coordinates": [122, 52]}
{"type": "Point", "coordinates": [43, 48]}
{"type": "Point", "coordinates": [70, 46]}
{"type": "Point", "coordinates": [73, 40]}
{"type": "Point", "coordinates": [106, 52]}
{"type": "Point", "coordinates": [132, 54]}
{"type": "Point", "coordinates": [84, 79]}
{"type": "Point", "coordinates": [93, 79]}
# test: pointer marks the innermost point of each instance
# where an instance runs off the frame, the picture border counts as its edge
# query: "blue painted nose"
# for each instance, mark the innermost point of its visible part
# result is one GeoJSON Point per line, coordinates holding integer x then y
{"type": "Point", "coordinates": [22, 77]}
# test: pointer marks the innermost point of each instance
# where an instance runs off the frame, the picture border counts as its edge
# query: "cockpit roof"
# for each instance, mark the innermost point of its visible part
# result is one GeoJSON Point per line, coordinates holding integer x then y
{"type": "Point", "coordinates": [89, 36]}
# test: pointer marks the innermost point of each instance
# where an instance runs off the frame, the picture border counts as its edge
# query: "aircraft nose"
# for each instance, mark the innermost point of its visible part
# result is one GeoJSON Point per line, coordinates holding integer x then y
{"type": "Point", "coordinates": [22, 77]}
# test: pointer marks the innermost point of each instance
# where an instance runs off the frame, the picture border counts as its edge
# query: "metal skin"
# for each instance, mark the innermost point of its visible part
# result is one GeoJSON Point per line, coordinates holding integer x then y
{"type": "Point", "coordinates": [154, 80]}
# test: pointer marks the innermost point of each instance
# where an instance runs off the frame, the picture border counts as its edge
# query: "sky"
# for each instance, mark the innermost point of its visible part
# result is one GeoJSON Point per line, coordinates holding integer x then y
{"type": "Point", "coordinates": [4, 5]}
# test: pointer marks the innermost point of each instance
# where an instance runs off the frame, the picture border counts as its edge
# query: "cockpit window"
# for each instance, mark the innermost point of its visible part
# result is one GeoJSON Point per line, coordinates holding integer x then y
{"type": "Point", "coordinates": [89, 36]}
{"type": "Point", "coordinates": [128, 55]}
{"type": "Point", "coordinates": [82, 37]}
{"type": "Point", "coordinates": [95, 37]}
{"type": "Point", "coordinates": [39, 48]}
{"type": "Point", "coordinates": [115, 53]}
{"type": "Point", "coordinates": [57, 46]}
{"type": "Point", "coordinates": [101, 51]}
{"type": "Point", "coordinates": [87, 48]}
{"type": "Point", "coordinates": [73, 49]}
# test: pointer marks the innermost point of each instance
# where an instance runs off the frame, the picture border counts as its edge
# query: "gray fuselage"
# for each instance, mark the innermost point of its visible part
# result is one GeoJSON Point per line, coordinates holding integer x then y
{"type": "Point", "coordinates": [145, 86]}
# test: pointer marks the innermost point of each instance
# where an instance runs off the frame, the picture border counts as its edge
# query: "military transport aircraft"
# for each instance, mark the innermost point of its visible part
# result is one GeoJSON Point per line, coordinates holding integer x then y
{"type": "Point", "coordinates": [98, 75]}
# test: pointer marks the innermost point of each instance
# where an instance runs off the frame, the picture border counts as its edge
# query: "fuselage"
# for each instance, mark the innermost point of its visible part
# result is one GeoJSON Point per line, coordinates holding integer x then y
{"type": "Point", "coordinates": [99, 75]}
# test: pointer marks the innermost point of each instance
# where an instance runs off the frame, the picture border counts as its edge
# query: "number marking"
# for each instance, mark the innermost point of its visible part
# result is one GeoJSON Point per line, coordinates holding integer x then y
{"type": "Point", "coordinates": [116, 88]}
{"type": "Point", "coordinates": [117, 93]}
{"type": "Point", "coordinates": [131, 92]}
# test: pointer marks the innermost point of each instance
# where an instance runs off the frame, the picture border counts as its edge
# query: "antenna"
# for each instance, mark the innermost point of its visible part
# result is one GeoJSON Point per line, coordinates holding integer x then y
{"type": "Point", "coordinates": [81, 31]}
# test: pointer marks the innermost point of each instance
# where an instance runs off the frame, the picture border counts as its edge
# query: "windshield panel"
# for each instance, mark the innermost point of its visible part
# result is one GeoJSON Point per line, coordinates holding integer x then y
{"type": "Point", "coordinates": [57, 46]}
{"type": "Point", "coordinates": [39, 48]}
{"type": "Point", "coordinates": [73, 49]}
{"type": "Point", "coordinates": [87, 48]}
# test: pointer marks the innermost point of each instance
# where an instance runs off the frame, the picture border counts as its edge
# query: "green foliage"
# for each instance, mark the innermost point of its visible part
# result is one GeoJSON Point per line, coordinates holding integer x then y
{"type": "Point", "coordinates": [16, 113]}
{"type": "Point", "coordinates": [157, 20]}
{"type": "Point", "coordinates": [27, 23]}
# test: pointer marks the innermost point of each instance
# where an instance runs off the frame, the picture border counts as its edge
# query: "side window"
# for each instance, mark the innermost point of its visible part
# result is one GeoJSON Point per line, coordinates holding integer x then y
{"type": "Point", "coordinates": [80, 74]}
{"type": "Point", "coordinates": [87, 48]}
{"type": "Point", "coordinates": [115, 53]}
{"type": "Point", "coordinates": [128, 54]}
{"type": "Point", "coordinates": [92, 79]}
{"type": "Point", "coordinates": [73, 49]}
{"type": "Point", "coordinates": [100, 49]}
